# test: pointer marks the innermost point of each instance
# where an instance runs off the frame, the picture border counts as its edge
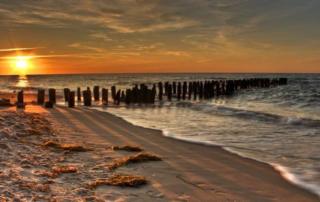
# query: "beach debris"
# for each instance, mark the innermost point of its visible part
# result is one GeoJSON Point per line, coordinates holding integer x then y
{"type": "Point", "coordinates": [128, 148]}
{"type": "Point", "coordinates": [122, 180]}
{"type": "Point", "coordinates": [56, 171]}
{"type": "Point", "coordinates": [64, 169]}
{"type": "Point", "coordinates": [69, 147]}
{"type": "Point", "coordinates": [138, 158]}
{"type": "Point", "coordinates": [35, 186]}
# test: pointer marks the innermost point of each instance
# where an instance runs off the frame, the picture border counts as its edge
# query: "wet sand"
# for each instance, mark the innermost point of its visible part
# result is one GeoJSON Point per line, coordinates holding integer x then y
{"type": "Point", "coordinates": [188, 172]}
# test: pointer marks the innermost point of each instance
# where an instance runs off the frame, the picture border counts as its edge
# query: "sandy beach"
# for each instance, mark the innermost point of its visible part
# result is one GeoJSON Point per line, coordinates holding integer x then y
{"type": "Point", "coordinates": [187, 172]}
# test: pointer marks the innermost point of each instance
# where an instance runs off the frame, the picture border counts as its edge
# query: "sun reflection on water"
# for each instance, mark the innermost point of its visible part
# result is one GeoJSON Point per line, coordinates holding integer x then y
{"type": "Point", "coordinates": [22, 82]}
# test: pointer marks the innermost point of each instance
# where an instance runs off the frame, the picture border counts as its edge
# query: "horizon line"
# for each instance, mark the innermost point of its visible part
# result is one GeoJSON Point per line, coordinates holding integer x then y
{"type": "Point", "coordinates": [95, 73]}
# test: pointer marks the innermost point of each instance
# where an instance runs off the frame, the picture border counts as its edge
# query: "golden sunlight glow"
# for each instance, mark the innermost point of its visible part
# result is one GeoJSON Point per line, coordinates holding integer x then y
{"type": "Point", "coordinates": [21, 64]}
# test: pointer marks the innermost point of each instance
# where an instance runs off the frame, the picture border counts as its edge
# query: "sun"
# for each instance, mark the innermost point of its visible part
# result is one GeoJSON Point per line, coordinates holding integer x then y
{"type": "Point", "coordinates": [21, 64]}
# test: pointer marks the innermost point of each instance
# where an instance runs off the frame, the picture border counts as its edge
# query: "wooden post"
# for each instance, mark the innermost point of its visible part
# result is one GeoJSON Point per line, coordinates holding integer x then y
{"type": "Point", "coordinates": [174, 86]}
{"type": "Point", "coordinates": [190, 89]}
{"type": "Point", "coordinates": [41, 96]}
{"type": "Point", "coordinates": [52, 95]}
{"type": "Point", "coordinates": [184, 90]}
{"type": "Point", "coordinates": [79, 94]}
{"type": "Point", "coordinates": [160, 90]}
{"type": "Point", "coordinates": [87, 98]}
{"type": "Point", "coordinates": [118, 96]}
{"type": "Point", "coordinates": [195, 90]}
{"type": "Point", "coordinates": [66, 92]}
{"type": "Point", "coordinates": [20, 100]}
{"type": "Point", "coordinates": [153, 94]}
{"type": "Point", "coordinates": [71, 99]}
{"type": "Point", "coordinates": [179, 91]}
{"type": "Point", "coordinates": [96, 93]}
{"type": "Point", "coordinates": [283, 81]}
{"type": "Point", "coordinates": [201, 90]}
{"type": "Point", "coordinates": [105, 96]}
{"type": "Point", "coordinates": [123, 96]}
{"type": "Point", "coordinates": [113, 93]}
{"type": "Point", "coordinates": [169, 92]}
{"type": "Point", "coordinates": [48, 104]}
{"type": "Point", "coordinates": [128, 96]}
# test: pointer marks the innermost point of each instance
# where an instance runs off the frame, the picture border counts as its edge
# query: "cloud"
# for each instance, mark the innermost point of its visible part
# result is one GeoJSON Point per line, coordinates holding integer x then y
{"type": "Point", "coordinates": [164, 27]}
{"type": "Point", "coordinates": [10, 50]}
{"type": "Point", "coordinates": [86, 47]}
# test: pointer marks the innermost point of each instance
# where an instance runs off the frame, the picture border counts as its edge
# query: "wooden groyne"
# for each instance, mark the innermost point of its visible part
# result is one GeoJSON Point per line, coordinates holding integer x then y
{"type": "Point", "coordinates": [161, 91]}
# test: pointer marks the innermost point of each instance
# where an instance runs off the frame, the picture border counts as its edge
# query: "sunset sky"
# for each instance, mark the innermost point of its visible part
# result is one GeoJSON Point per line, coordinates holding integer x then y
{"type": "Point", "coordinates": [79, 36]}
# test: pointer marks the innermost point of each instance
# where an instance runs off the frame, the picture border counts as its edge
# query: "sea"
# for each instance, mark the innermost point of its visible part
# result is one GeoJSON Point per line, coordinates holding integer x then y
{"type": "Point", "coordinates": [279, 125]}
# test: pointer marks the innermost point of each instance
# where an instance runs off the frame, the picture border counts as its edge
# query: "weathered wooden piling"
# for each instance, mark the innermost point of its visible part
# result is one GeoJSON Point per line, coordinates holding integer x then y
{"type": "Point", "coordinates": [174, 88]}
{"type": "Point", "coordinates": [160, 86]}
{"type": "Point", "coordinates": [96, 93]}
{"type": "Point", "coordinates": [169, 92]}
{"type": "Point", "coordinates": [87, 97]}
{"type": "Point", "coordinates": [71, 99]}
{"type": "Point", "coordinates": [79, 94]}
{"type": "Point", "coordinates": [41, 96]}
{"type": "Point", "coordinates": [52, 96]}
{"type": "Point", "coordinates": [179, 91]}
{"type": "Point", "coordinates": [153, 94]}
{"type": "Point", "coordinates": [123, 96]}
{"type": "Point", "coordinates": [195, 90]}
{"type": "Point", "coordinates": [113, 93]}
{"type": "Point", "coordinates": [48, 104]}
{"type": "Point", "coordinates": [128, 99]}
{"type": "Point", "coordinates": [20, 100]}
{"type": "Point", "coordinates": [184, 90]}
{"type": "Point", "coordinates": [66, 92]}
{"type": "Point", "coordinates": [105, 96]}
{"type": "Point", "coordinates": [283, 81]}
{"type": "Point", "coordinates": [118, 97]}
{"type": "Point", "coordinates": [200, 90]}
{"type": "Point", "coordinates": [190, 89]}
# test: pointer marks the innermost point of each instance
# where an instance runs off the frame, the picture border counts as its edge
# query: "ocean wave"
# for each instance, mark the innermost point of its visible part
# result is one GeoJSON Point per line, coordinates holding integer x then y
{"type": "Point", "coordinates": [296, 179]}
{"type": "Point", "coordinates": [287, 173]}
{"type": "Point", "coordinates": [251, 115]}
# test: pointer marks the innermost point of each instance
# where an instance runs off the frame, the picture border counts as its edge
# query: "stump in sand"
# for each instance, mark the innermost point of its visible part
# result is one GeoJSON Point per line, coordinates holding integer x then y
{"type": "Point", "coordinates": [66, 92]}
{"type": "Point", "coordinates": [41, 96]}
{"type": "Point", "coordinates": [71, 99]}
{"type": "Point", "coordinates": [105, 96]}
{"type": "Point", "coordinates": [20, 100]}
{"type": "Point", "coordinates": [52, 95]}
{"type": "Point", "coordinates": [79, 94]}
{"type": "Point", "coordinates": [87, 98]}
{"type": "Point", "coordinates": [96, 93]}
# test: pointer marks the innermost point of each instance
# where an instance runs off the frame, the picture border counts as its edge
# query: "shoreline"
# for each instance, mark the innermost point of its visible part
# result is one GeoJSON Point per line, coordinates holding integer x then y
{"type": "Point", "coordinates": [215, 149]}
{"type": "Point", "coordinates": [283, 171]}
{"type": "Point", "coordinates": [123, 129]}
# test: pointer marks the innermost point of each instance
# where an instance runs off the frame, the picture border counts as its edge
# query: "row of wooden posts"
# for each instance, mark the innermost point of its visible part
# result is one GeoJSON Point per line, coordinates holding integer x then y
{"type": "Point", "coordinates": [142, 94]}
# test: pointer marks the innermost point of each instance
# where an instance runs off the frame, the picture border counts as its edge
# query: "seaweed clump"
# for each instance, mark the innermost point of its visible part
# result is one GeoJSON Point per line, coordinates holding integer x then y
{"type": "Point", "coordinates": [58, 170]}
{"type": "Point", "coordinates": [35, 186]}
{"type": "Point", "coordinates": [122, 180]}
{"type": "Point", "coordinates": [138, 158]}
{"type": "Point", "coordinates": [68, 147]}
{"type": "Point", "coordinates": [128, 148]}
